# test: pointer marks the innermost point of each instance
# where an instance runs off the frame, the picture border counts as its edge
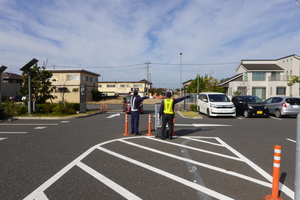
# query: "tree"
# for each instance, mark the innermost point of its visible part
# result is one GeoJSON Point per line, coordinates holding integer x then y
{"type": "Point", "coordinates": [204, 84]}
{"type": "Point", "coordinates": [294, 79]}
{"type": "Point", "coordinates": [40, 84]}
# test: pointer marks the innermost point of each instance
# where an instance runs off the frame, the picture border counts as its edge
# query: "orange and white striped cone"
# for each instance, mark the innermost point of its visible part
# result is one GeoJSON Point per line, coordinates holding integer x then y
{"type": "Point", "coordinates": [126, 125]}
{"type": "Point", "coordinates": [276, 174]}
{"type": "Point", "coordinates": [149, 125]}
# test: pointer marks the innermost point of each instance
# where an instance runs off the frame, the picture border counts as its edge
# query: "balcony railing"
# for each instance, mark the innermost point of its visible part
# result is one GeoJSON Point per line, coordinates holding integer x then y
{"type": "Point", "coordinates": [278, 78]}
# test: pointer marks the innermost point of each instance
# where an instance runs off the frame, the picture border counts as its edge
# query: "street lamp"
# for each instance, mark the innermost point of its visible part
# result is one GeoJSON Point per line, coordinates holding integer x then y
{"type": "Point", "coordinates": [180, 73]}
{"type": "Point", "coordinates": [2, 69]}
{"type": "Point", "coordinates": [297, 3]}
{"type": "Point", "coordinates": [27, 68]}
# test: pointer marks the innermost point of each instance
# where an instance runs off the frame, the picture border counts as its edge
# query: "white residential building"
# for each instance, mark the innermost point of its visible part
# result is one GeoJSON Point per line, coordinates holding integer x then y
{"type": "Point", "coordinates": [265, 78]}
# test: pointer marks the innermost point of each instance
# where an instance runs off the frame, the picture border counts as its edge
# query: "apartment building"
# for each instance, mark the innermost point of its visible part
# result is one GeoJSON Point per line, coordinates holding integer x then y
{"type": "Point", "coordinates": [265, 78]}
{"type": "Point", "coordinates": [122, 88]}
{"type": "Point", "coordinates": [67, 84]}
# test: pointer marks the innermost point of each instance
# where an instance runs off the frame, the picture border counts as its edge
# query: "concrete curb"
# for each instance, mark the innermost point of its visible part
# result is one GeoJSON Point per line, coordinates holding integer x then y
{"type": "Point", "coordinates": [56, 118]}
{"type": "Point", "coordinates": [188, 117]}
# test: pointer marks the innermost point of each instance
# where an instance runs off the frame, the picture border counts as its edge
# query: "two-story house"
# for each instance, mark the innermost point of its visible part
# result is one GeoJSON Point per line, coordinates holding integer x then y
{"type": "Point", "coordinates": [122, 88]}
{"type": "Point", "coordinates": [67, 83]}
{"type": "Point", "coordinates": [11, 84]}
{"type": "Point", "coordinates": [265, 78]}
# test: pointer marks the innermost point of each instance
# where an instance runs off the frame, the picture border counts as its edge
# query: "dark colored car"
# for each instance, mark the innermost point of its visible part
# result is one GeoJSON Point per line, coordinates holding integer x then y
{"type": "Point", "coordinates": [280, 106]}
{"type": "Point", "coordinates": [248, 106]}
{"type": "Point", "coordinates": [127, 107]}
{"type": "Point", "coordinates": [17, 98]}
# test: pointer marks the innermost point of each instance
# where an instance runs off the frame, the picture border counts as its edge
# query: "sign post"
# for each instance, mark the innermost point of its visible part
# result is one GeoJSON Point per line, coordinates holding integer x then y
{"type": "Point", "coordinates": [82, 98]}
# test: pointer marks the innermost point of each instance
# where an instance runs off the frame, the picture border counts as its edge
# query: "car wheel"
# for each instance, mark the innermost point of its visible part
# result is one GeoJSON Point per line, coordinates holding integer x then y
{"type": "Point", "coordinates": [277, 113]}
{"type": "Point", "coordinates": [207, 112]}
{"type": "Point", "coordinates": [246, 114]}
{"type": "Point", "coordinates": [267, 115]}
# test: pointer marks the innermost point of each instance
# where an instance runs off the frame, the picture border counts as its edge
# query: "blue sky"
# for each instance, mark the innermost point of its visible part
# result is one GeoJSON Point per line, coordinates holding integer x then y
{"type": "Point", "coordinates": [115, 38]}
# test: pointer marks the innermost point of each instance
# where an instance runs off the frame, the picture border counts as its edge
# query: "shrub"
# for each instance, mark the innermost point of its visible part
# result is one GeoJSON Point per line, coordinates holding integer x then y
{"type": "Point", "coordinates": [11, 109]}
{"type": "Point", "coordinates": [193, 108]}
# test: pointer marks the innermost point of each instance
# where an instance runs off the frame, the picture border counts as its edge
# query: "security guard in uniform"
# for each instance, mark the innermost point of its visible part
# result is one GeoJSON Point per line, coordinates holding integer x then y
{"type": "Point", "coordinates": [135, 102]}
{"type": "Point", "coordinates": [167, 113]}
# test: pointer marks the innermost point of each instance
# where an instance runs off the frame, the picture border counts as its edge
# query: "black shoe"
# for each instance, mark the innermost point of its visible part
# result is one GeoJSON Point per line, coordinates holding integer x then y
{"type": "Point", "coordinates": [163, 138]}
{"type": "Point", "coordinates": [170, 138]}
{"type": "Point", "coordinates": [137, 134]}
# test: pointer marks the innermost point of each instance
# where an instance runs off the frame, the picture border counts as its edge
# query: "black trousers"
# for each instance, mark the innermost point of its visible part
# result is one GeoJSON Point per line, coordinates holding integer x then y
{"type": "Point", "coordinates": [167, 119]}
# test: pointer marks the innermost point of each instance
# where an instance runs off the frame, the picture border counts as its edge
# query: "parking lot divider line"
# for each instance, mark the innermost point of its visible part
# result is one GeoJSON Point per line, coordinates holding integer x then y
{"type": "Point", "coordinates": [114, 186]}
{"type": "Point", "coordinates": [198, 149]}
{"type": "Point", "coordinates": [284, 188]}
{"type": "Point", "coordinates": [168, 175]}
{"type": "Point", "coordinates": [211, 167]}
{"type": "Point", "coordinates": [204, 141]}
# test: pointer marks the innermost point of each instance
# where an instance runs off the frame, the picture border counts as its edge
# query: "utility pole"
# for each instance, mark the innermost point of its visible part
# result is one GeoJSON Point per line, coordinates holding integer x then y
{"type": "Point", "coordinates": [148, 75]}
{"type": "Point", "coordinates": [180, 86]}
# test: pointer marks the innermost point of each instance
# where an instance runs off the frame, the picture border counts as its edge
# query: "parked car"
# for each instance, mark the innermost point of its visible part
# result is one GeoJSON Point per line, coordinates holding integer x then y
{"type": "Point", "coordinates": [248, 105]}
{"type": "Point", "coordinates": [127, 107]}
{"type": "Point", "coordinates": [215, 104]}
{"type": "Point", "coordinates": [280, 106]}
{"type": "Point", "coordinates": [17, 98]}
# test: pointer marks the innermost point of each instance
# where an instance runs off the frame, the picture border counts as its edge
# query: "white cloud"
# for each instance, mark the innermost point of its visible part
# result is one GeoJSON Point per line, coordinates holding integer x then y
{"type": "Point", "coordinates": [96, 34]}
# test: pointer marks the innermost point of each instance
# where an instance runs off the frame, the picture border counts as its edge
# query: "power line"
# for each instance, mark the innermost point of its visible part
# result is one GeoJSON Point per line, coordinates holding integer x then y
{"type": "Point", "coordinates": [229, 63]}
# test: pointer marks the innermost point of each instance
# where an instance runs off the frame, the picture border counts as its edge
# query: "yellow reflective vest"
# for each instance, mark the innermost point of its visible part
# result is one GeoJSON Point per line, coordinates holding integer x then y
{"type": "Point", "coordinates": [168, 106]}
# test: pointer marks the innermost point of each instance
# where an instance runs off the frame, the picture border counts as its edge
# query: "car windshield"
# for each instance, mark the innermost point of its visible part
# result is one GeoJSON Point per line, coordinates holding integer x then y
{"type": "Point", "coordinates": [253, 99]}
{"type": "Point", "coordinates": [218, 98]}
{"type": "Point", "coordinates": [293, 101]}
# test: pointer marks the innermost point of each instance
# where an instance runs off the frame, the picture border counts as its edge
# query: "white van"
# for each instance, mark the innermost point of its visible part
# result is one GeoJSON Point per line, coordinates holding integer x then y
{"type": "Point", "coordinates": [215, 104]}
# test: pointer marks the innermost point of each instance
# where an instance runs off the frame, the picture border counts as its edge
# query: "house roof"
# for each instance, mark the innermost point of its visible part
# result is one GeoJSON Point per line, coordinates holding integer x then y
{"type": "Point", "coordinates": [262, 67]}
{"type": "Point", "coordinates": [7, 75]}
{"type": "Point", "coordinates": [71, 71]}
{"type": "Point", "coordinates": [230, 79]}
{"type": "Point", "coordinates": [141, 81]}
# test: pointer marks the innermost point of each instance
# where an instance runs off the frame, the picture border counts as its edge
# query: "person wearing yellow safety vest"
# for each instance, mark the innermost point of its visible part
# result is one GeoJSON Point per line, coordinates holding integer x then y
{"type": "Point", "coordinates": [167, 113]}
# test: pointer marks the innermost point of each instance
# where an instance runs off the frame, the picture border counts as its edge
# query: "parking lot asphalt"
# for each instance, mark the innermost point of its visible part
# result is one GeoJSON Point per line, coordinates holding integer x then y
{"type": "Point", "coordinates": [211, 158]}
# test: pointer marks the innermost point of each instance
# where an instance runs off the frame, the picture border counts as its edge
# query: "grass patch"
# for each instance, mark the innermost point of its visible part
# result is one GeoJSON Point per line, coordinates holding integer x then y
{"type": "Point", "coordinates": [189, 113]}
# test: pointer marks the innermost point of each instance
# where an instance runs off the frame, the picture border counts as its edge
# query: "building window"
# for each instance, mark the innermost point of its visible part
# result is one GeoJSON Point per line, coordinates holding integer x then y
{"type": "Point", "coordinates": [62, 90]}
{"type": "Point", "coordinates": [124, 85]}
{"type": "Point", "coordinates": [259, 92]}
{"type": "Point", "coordinates": [258, 76]}
{"type": "Point", "coordinates": [72, 77]}
{"type": "Point", "coordinates": [245, 77]}
{"type": "Point", "coordinates": [280, 90]}
{"type": "Point", "coordinates": [242, 90]}
{"type": "Point", "coordinates": [91, 79]}
{"type": "Point", "coordinates": [99, 85]}
{"type": "Point", "coordinates": [55, 77]}
{"type": "Point", "coordinates": [137, 86]}
{"type": "Point", "coordinates": [85, 78]}
{"type": "Point", "coordinates": [275, 76]}
{"type": "Point", "coordinates": [110, 86]}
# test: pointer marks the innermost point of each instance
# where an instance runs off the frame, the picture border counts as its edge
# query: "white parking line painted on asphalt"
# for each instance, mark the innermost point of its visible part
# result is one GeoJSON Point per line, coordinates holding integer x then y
{"type": "Point", "coordinates": [40, 127]}
{"type": "Point", "coordinates": [283, 188]}
{"type": "Point", "coordinates": [48, 124]}
{"type": "Point", "coordinates": [64, 122]}
{"type": "Point", "coordinates": [276, 118]}
{"type": "Point", "coordinates": [117, 188]}
{"type": "Point", "coordinates": [13, 132]}
{"type": "Point", "coordinates": [291, 140]}
{"type": "Point", "coordinates": [4, 138]}
{"type": "Point", "coordinates": [201, 125]}
{"type": "Point", "coordinates": [168, 175]}
{"type": "Point", "coordinates": [114, 115]}
{"type": "Point", "coordinates": [39, 192]}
